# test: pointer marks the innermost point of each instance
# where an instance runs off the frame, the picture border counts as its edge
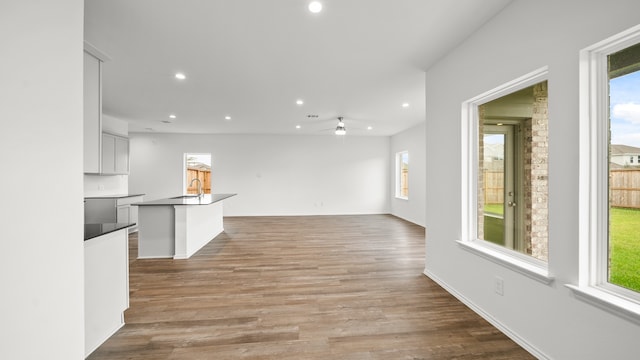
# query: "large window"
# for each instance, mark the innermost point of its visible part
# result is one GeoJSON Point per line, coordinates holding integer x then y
{"type": "Point", "coordinates": [505, 175]}
{"type": "Point", "coordinates": [402, 175]}
{"type": "Point", "coordinates": [609, 179]}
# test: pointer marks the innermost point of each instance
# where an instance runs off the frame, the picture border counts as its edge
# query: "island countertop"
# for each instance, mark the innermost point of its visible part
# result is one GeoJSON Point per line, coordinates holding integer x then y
{"type": "Point", "coordinates": [94, 230]}
{"type": "Point", "coordinates": [206, 199]}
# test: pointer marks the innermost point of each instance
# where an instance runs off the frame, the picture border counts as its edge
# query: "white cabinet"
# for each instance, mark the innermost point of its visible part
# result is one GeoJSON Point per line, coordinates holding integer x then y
{"type": "Point", "coordinates": [112, 209]}
{"type": "Point", "coordinates": [104, 153]}
{"type": "Point", "coordinates": [106, 286]}
{"type": "Point", "coordinates": [115, 155]}
{"type": "Point", "coordinates": [92, 113]}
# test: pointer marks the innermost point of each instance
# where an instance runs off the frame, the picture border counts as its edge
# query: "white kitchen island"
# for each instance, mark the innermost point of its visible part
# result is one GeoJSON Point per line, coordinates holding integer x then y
{"type": "Point", "coordinates": [178, 227]}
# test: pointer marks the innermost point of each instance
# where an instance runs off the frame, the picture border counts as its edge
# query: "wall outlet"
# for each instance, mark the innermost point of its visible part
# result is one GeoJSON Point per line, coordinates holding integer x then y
{"type": "Point", "coordinates": [101, 187]}
{"type": "Point", "coordinates": [499, 286]}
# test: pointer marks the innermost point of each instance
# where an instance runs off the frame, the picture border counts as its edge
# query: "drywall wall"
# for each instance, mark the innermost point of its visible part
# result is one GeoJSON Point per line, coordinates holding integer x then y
{"type": "Point", "coordinates": [272, 174]}
{"type": "Point", "coordinates": [526, 36]}
{"type": "Point", "coordinates": [413, 141]}
{"type": "Point", "coordinates": [41, 155]}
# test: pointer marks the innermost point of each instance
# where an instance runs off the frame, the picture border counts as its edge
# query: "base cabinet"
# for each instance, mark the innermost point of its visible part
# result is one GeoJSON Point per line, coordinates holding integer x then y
{"type": "Point", "coordinates": [106, 283]}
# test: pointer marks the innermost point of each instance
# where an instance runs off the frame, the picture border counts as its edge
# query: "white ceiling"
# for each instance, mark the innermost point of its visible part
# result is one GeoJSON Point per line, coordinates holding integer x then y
{"type": "Point", "coordinates": [252, 59]}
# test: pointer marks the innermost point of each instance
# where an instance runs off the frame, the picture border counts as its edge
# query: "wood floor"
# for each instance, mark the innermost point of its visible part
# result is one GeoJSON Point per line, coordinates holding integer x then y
{"type": "Point", "coordinates": [319, 287]}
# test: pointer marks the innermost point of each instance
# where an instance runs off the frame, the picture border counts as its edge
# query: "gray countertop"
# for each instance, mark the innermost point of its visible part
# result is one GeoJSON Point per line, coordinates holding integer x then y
{"type": "Point", "coordinates": [206, 199]}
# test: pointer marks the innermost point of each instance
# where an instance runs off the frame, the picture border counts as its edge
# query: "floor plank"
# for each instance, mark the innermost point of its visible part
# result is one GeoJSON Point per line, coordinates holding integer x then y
{"type": "Point", "coordinates": [304, 287]}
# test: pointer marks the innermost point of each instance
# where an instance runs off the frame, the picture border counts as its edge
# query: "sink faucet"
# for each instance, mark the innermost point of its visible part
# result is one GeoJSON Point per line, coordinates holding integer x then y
{"type": "Point", "coordinates": [200, 193]}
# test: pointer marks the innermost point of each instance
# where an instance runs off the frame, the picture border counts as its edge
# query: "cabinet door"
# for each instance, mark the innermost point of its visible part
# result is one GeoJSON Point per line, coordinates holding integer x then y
{"type": "Point", "coordinates": [108, 154]}
{"type": "Point", "coordinates": [123, 214]}
{"type": "Point", "coordinates": [92, 113]}
{"type": "Point", "coordinates": [122, 155]}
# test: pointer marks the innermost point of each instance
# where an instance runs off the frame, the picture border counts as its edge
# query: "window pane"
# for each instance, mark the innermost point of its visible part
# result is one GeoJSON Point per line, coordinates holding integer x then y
{"type": "Point", "coordinates": [197, 174]}
{"type": "Point", "coordinates": [624, 172]}
{"type": "Point", "coordinates": [402, 174]}
{"type": "Point", "coordinates": [513, 173]}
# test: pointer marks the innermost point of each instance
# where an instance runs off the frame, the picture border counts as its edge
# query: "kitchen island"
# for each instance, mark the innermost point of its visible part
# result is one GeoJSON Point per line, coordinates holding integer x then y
{"type": "Point", "coordinates": [180, 226]}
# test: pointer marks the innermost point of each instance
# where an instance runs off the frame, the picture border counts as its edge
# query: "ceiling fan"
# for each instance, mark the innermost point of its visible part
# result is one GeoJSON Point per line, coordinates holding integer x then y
{"type": "Point", "coordinates": [340, 129]}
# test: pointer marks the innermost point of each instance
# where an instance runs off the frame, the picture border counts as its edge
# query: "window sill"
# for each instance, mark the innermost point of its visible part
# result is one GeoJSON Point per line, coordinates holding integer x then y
{"type": "Point", "coordinates": [402, 198]}
{"type": "Point", "coordinates": [607, 301]}
{"type": "Point", "coordinates": [532, 268]}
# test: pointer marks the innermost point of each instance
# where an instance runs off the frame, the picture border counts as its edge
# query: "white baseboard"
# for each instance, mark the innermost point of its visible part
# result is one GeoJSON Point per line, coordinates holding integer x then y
{"type": "Point", "coordinates": [485, 315]}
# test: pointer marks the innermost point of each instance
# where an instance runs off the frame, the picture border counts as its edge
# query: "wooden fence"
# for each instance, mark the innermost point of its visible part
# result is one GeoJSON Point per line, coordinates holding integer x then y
{"type": "Point", "coordinates": [203, 175]}
{"type": "Point", "coordinates": [493, 182]}
{"type": "Point", "coordinates": [624, 185]}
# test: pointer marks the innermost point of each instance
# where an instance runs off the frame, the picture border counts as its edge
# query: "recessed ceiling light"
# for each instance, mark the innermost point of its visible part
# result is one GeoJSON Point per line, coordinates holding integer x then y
{"type": "Point", "coordinates": [315, 7]}
{"type": "Point", "coordinates": [172, 116]}
{"type": "Point", "coordinates": [227, 117]}
{"type": "Point", "coordinates": [180, 76]}
{"type": "Point", "coordinates": [299, 102]}
{"type": "Point", "coordinates": [298, 126]}
{"type": "Point", "coordinates": [369, 128]}
{"type": "Point", "coordinates": [405, 105]}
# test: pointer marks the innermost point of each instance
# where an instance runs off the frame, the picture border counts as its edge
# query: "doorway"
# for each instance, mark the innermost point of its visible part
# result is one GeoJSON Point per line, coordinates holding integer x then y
{"type": "Point", "coordinates": [502, 195]}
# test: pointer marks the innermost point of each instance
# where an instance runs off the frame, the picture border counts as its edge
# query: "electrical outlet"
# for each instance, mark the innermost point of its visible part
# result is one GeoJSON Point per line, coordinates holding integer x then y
{"type": "Point", "coordinates": [101, 187]}
{"type": "Point", "coordinates": [499, 286]}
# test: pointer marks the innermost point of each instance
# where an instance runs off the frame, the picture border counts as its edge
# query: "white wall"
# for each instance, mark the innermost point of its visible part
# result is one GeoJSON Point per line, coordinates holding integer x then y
{"type": "Point", "coordinates": [525, 36]}
{"type": "Point", "coordinates": [41, 272]}
{"type": "Point", "coordinates": [413, 141]}
{"type": "Point", "coordinates": [272, 174]}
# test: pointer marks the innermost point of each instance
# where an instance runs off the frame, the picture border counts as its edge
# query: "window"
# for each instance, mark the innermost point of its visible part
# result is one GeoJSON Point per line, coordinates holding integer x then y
{"type": "Point", "coordinates": [631, 160]}
{"type": "Point", "coordinates": [505, 175]}
{"type": "Point", "coordinates": [609, 201]}
{"type": "Point", "coordinates": [402, 175]}
{"type": "Point", "coordinates": [197, 173]}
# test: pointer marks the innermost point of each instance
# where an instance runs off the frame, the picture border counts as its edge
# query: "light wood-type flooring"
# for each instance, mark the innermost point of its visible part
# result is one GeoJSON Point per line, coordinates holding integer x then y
{"type": "Point", "coordinates": [307, 287]}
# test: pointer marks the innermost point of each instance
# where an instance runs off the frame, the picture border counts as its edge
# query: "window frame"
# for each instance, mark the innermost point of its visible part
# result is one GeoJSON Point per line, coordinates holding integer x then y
{"type": "Point", "coordinates": [398, 173]}
{"type": "Point", "coordinates": [593, 234]}
{"type": "Point", "coordinates": [514, 260]}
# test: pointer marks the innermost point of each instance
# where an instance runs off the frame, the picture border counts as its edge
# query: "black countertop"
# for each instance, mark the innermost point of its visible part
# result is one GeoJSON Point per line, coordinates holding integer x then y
{"type": "Point", "coordinates": [94, 230]}
{"type": "Point", "coordinates": [206, 199]}
{"type": "Point", "coordinates": [117, 196]}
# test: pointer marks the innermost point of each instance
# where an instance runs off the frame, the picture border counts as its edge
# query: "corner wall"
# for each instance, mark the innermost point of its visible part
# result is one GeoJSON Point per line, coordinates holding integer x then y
{"type": "Point", "coordinates": [413, 141]}
{"type": "Point", "coordinates": [272, 174]}
{"type": "Point", "coordinates": [547, 319]}
{"type": "Point", "coordinates": [41, 272]}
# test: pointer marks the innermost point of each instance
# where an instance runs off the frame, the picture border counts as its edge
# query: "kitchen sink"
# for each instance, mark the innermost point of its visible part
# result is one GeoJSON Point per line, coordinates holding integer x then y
{"type": "Point", "coordinates": [191, 196]}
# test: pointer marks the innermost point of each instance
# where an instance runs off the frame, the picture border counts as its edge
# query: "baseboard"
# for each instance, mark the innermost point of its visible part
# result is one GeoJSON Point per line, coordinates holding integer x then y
{"type": "Point", "coordinates": [485, 315]}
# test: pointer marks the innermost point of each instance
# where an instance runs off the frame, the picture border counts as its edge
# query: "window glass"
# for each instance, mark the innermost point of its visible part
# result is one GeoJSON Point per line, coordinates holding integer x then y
{"type": "Point", "coordinates": [197, 174]}
{"type": "Point", "coordinates": [624, 179]}
{"type": "Point", "coordinates": [513, 172]}
{"type": "Point", "coordinates": [402, 175]}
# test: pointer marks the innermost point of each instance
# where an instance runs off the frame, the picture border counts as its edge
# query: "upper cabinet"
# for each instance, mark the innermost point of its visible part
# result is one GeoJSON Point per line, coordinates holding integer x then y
{"type": "Point", "coordinates": [105, 152]}
{"type": "Point", "coordinates": [115, 154]}
{"type": "Point", "coordinates": [92, 113]}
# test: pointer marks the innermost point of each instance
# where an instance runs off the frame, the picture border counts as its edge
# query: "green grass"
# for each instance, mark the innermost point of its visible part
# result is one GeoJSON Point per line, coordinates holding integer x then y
{"type": "Point", "coordinates": [494, 208]}
{"type": "Point", "coordinates": [624, 248]}
{"type": "Point", "coordinates": [494, 229]}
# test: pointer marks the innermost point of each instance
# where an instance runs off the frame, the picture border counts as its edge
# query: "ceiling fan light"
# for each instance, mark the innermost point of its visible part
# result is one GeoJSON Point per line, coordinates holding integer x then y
{"type": "Point", "coordinates": [341, 130]}
{"type": "Point", "coordinates": [315, 7]}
